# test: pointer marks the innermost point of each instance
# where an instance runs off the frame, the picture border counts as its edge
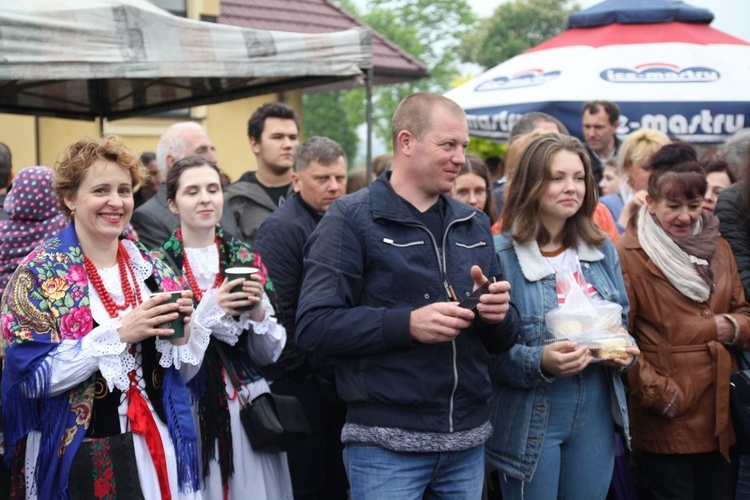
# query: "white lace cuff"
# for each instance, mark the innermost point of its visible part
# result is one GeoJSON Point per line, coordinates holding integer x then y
{"type": "Point", "coordinates": [225, 327]}
{"type": "Point", "coordinates": [267, 325]}
{"type": "Point", "coordinates": [268, 338]}
{"type": "Point", "coordinates": [115, 362]}
{"type": "Point", "coordinates": [190, 353]}
{"type": "Point", "coordinates": [212, 315]}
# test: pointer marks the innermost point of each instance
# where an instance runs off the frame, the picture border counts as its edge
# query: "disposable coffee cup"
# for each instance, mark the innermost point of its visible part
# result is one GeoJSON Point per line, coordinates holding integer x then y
{"type": "Point", "coordinates": [233, 273]}
{"type": "Point", "coordinates": [177, 324]}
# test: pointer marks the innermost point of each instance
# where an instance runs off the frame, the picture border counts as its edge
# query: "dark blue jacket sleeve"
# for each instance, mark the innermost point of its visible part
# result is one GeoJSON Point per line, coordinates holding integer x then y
{"type": "Point", "coordinates": [500, 337]}
{"type": "Point", "coordinates": [330, 320]}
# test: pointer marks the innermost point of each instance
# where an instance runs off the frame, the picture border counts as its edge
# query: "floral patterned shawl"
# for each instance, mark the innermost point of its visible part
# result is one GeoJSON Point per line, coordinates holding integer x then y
{"type": "Point", "coordinates": [47, 301]}
{"type": "Point", "coordinates": [232, 252]}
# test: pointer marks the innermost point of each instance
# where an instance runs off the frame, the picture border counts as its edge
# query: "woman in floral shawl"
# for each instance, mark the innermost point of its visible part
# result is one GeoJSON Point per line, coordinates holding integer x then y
{"type": "Point", "coordinates": [94, 404]}
{"type": "Point", "coordinates": [248, 338]}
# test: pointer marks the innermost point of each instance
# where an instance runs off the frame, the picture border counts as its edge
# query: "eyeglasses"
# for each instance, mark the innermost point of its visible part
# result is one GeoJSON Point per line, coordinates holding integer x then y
{"type": "Point", "coordinates": [465, 194]}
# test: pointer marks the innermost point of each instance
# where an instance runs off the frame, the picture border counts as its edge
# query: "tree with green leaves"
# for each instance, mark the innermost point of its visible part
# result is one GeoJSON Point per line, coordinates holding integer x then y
{"type": "Point", "coordinates": [335, 115]}
{"type": "Point", "coordinates": [513, 28]}
{"type": "Point", "coordinates": [429, 30]}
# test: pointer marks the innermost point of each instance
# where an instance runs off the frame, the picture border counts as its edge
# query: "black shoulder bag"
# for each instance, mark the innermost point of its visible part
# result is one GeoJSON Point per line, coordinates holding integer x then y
{"type": "Point", "coordinates": [739, 401]}
{"type": "Point", "coordinates": [272, 422]}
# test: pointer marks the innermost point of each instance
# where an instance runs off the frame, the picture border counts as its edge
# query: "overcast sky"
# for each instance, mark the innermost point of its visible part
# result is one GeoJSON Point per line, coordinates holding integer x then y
{"type": "Point", "coordinates": [730, 16]}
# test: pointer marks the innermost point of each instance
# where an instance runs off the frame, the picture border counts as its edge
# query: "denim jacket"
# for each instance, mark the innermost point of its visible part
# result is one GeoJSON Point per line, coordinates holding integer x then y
{"type": "Point", "coordinates": [519, 407]}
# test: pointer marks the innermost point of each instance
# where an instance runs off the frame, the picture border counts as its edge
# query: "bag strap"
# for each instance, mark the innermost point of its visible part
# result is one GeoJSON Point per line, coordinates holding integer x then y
{"type": "Point", "coordinates": [231, 373]}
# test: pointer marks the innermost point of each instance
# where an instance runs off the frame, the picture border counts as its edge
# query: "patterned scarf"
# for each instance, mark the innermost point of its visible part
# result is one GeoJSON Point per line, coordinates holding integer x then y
{"type": "Point", "coordinates": [686, 262]}
{"type": "Point", "coordinates": [46, 302]}
{"type": "Point", "coordinates": [207, 387]}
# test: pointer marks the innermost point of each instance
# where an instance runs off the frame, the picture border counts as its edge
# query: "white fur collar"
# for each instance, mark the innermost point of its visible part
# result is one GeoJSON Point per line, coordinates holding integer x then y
{"type": "Point", "coordinates": [535, 267]}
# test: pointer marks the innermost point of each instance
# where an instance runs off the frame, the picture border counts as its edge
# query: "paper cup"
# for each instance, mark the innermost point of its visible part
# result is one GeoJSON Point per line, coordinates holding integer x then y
{"type": "Point", "coordinates": [233, 273]}
{"type": "Point", "coordinates": [177, 324]}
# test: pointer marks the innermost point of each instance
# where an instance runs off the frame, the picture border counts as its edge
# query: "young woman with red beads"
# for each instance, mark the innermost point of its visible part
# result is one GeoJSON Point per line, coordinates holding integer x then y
{"type": "Point", "coordinates": [94, 404]}
{"type": "Point", "coordinates": [248, 338]}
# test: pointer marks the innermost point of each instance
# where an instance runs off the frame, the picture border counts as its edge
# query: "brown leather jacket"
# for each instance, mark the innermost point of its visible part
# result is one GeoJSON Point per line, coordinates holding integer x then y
{"type": "Point", "coordinates": [681, 360]}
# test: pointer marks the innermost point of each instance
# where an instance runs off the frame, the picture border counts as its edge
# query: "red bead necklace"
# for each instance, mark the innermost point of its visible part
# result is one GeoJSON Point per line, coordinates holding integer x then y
{"type": "Point", "coordinates": [198, 291]}
{"type": "Point", "coordinates": [130, 288]}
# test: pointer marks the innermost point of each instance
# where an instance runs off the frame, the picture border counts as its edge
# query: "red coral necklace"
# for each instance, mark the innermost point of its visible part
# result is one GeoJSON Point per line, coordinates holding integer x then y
{"type": "Point", "coordinates": [198, 291]}
{"type": "Point", "coordinates": [130, 288]}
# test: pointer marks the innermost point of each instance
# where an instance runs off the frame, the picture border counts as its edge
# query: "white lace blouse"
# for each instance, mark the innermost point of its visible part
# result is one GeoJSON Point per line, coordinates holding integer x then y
{"type": "Point", "coordinates": [268, 338]}
{"type": "Point", "coordinates": [73, 361]}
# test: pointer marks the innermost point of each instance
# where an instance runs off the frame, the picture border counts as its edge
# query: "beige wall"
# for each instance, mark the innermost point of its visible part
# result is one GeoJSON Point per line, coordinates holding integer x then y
{"type": "Point", "coordinates": [209, 7]}
{"type": "Point", "coordinates": [226, 124]}
{"type": "Point", "coordinates": [139, 134]}
{"type": "Point", "coordinates": [18, 132]}
{"type": "Point", "coordinates": [56, 133]}
{"type": "Point", "coordinates": [196, 8]}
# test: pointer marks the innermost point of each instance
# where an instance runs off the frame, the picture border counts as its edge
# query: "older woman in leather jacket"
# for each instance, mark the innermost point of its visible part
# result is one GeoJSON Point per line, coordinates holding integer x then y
{"type": "Point", "coordinates": [687, 312]}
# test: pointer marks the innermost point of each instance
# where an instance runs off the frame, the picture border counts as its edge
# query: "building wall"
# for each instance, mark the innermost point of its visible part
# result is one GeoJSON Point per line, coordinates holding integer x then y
{"type": "Point", "coordinates": [56, 133]}
{"type": "Point", "coordinates": [18, 132]}
{"type": "Point", "coordinates": [227, 127]}
{"type": "Point", "coordinates": [226, 124]}
{"type": "Point", "coordinates": [40, 141]}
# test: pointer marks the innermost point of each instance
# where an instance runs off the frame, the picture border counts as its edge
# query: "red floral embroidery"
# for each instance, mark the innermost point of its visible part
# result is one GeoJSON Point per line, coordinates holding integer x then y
{"type": "Point", "coordinates": [103, 474]}
{"type": "Point", "coordinates": [102, 488]}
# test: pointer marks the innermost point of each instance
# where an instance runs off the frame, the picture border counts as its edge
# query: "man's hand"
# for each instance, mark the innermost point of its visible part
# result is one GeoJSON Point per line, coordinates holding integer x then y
{"type": "Point", "coordinates": [493, 305]}
{"type": "Point", "coordinates": [438, 322]}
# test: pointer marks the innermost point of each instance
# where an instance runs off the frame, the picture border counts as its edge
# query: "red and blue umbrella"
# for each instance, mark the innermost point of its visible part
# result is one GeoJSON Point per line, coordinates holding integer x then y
{"type": "Point", "coordinates": [659, 60]}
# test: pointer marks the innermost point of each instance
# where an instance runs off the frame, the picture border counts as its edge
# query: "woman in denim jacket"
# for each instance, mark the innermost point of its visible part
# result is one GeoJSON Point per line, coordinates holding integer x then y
{"type": "Point", "coordinates": [553, 410]}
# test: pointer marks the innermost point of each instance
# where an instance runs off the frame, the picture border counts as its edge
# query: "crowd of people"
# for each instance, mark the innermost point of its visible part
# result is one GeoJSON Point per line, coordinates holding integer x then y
{"type": "Point", "coordinates": [414, 316]}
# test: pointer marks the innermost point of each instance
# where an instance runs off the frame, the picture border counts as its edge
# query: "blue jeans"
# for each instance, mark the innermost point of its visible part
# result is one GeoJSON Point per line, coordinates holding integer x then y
{"type": "Point", "coordinates": [578, 453]}
{"type": "Point", "coordinates": [379, 474]}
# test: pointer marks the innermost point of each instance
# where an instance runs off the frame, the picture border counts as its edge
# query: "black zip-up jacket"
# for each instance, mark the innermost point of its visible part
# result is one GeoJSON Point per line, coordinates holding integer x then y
{"type": "Point", "coordinates": [280, 240]}
{"type": "Point", "coordinates": [734, 224]}
{"type": "Point", "coordinates": [368, 264]}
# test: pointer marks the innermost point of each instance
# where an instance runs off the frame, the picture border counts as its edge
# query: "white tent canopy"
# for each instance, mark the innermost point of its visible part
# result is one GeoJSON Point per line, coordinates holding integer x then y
{"type": "Point", "coordinates": [118, 58]}
{"type": "Point", "coordinates": [658, 60]}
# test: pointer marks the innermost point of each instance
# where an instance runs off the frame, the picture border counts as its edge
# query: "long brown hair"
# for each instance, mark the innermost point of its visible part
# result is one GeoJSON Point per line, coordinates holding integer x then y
{"type": "Point", "coordinates": [475, 165]}
{"type": "Point", "coordinates": [530, 180]}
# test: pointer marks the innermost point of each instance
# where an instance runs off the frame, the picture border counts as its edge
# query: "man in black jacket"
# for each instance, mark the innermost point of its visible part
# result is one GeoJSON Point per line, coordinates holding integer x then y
{"type": "Point", "coordinates": [600, 120]}
{"type": "Point", "coordinates": [319, 178]}
{"type": "Point", "coordinates": [273, 133]}
{"type": "Point", "coordinates": [383, 272]}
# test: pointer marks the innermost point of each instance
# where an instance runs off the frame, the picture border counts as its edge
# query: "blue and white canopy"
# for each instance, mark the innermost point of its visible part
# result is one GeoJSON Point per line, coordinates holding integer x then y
{"type": "Point", "coordinates": [659, 60]}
